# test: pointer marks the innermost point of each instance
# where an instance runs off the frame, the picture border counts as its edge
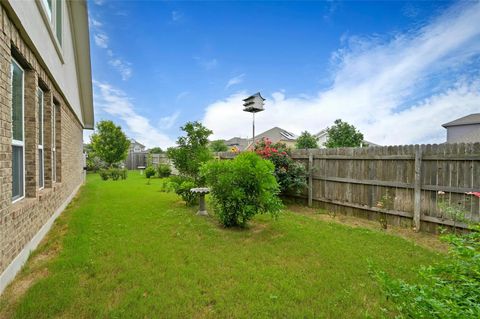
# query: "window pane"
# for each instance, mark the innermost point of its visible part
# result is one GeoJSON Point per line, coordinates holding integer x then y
{"type": "Point", "coordinates": [58, 22]}
{"type": "Point", "coordinates": [17, 172]}
{"type": "Point", "coordinates": [48, 6]}
{"type": "Point", "coordinates": [40, 117]}
{"type": "Point", "coordinates": [17, 102]}
{"type": "Point", "coordinates": [40, 169]}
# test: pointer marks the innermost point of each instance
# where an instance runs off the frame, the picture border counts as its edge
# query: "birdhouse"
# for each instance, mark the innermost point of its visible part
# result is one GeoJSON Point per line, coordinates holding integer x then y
{"type": "Point", "coordinates": [254, 103]}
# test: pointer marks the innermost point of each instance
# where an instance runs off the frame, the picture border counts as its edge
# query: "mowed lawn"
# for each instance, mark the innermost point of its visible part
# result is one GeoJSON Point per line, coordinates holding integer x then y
{"type": "Point", "coordinates": [123, 249]}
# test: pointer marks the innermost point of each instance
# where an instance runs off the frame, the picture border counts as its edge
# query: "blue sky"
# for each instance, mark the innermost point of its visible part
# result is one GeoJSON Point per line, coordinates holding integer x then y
{"type": "Point", "coordinates": [396, 70]}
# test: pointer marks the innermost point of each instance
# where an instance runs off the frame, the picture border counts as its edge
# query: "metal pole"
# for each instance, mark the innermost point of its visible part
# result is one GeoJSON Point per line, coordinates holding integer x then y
{"type": "Point", "coordinates": [253, 138]}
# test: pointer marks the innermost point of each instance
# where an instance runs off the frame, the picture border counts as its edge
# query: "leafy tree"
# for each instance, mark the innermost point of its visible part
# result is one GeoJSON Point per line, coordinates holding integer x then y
{"type": "Point", "coordinates": [343, 134]}
{"type": "Point", "coordinates": [191, 150]}
{"type": "Point", "coordinates": [156, 150]}
{"type": "Point", "coordinates": [306, 140]}
{"type": "Point", "coordinates": [109, 143]}
{"type": "Point", "coordinates": [218, 146]}
{"type": "Point", "coordinates": [93, 162]}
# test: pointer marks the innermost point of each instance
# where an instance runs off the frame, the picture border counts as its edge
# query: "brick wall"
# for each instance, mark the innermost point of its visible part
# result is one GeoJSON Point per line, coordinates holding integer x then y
{"type": "Point", "coordinates": [19, 222]}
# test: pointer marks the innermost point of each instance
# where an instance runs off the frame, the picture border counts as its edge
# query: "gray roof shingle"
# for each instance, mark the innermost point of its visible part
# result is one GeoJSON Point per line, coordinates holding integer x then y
{"type": "Point", "coordinates": [473, 118]}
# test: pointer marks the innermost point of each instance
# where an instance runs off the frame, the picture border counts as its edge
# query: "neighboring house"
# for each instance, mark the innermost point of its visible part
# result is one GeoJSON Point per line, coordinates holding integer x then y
{"type": "Point", "coordinates": [136, 147]}
{"type": "Point", "coordinates": [464, 130]}
{"type": "Point", "coordinates": [276, 135]}
{"type": "Point", "coordinates": [323, 137]}
{"type": "Point", "coordinates": [239, 143]}
{"type": "Point", "coordinates": [45, 103]}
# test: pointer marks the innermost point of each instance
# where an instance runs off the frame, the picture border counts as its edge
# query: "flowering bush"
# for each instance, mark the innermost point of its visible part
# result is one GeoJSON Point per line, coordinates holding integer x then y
{"type": "Point", "coordinates": [290, 175]}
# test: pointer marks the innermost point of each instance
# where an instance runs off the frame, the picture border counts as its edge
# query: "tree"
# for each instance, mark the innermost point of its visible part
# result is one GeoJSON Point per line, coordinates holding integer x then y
{"type": "Point", "coordinates": [218, 146]}
{"type": "Point", "coordinates": [306, 140]}
{"type": "Point", "coordinates": [191, 150]}
{"type": "Point", "coordinates": [343, 134]}
{"type": "Point", "coordinates": [109, 143]}
{"type": "Point", "coordinates": [156, 150]}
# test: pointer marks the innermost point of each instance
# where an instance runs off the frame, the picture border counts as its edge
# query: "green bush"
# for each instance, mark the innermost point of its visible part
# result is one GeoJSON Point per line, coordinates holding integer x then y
{"type": "Point", "coordinates": [291, 175]}
{"type": "Point", "coordinates": [242, 188]}
{"type": "Point", "coordinates": [163, 170]}
{"type": "Point", "coordinates": [167, 186]}
{"type": "Point", "coordinates": [115, 173]}
{"type": "Point", "coordinates": [182, 186]}
{"type": "Point", "coordinates": [149, 171]}
{"type": "Point", "coordinates": [450, 289]}
{"type": "Point", "coordinates": [124, 173]}
{"type": "Point", "coordinates": [104, 174]}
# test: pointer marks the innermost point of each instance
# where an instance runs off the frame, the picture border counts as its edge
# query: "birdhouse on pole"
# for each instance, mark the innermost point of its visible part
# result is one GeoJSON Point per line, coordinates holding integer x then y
{"type": "Point", "coordinates": [253, 104]}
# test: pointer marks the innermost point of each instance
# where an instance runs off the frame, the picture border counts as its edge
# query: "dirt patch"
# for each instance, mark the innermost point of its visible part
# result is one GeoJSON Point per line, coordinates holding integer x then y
{"type": "Point", "coordinates": [427, 240]}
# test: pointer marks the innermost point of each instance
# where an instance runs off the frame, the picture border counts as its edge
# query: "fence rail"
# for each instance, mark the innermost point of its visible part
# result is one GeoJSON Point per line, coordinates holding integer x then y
{"type": "Point", "coordinates": [412, 175]}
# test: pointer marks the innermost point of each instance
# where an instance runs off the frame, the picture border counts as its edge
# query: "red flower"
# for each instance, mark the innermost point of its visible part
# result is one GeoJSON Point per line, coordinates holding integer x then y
{"type": "Point", "coordinates": [476, 194]}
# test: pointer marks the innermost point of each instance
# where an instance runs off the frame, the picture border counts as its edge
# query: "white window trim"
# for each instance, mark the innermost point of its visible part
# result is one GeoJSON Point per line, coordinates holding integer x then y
{"type": "Point", "coordinates": [54, 143]}
{"type": "Point", "coordinates": [17, 142]}
{"type": "Point", "coordinates": [40, 146]}
{"type": "Point", "coordinates": [51, 27]}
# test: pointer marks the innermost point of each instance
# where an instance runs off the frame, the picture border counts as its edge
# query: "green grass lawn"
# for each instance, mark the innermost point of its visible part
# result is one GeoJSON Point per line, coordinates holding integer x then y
{"type": "Point", "coordinates": [126, 250]}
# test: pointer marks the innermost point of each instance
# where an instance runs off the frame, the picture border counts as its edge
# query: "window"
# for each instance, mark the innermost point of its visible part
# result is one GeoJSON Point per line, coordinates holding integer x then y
{"type": "Point", "coordinates": [54, 151]}
{"type": "Point", "coordinates": [41, 160]}
{"type": "Point", "coordinates": [54, 12]}
{"type": "Point", "coordinates": [18, 145]}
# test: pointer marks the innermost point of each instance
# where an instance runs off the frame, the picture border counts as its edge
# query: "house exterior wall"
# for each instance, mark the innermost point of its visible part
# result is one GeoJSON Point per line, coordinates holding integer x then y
{"type": "Point", "coordinates": [463, 133]}
{"type": "Point", "coordinates": [21, 222]}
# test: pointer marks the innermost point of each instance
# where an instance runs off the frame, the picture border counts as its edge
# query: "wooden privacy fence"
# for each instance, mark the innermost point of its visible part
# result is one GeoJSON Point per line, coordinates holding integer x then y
{"type": "Point", "coordinates": [136, 159]}
{"type": "Point", "coordinates": [412, 175]}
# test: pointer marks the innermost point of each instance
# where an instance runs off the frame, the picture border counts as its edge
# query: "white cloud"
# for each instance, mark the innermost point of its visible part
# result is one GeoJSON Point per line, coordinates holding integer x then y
{"type": "Point", "coordinates": [235, 80]}
{"type": "Point", "coordinates": [182, 95]}
{"type": "Point", "coordinates": [376, 85]}
{"type": "Point", "coordinates": [168, 122]}
{"type": "Point", "coordinates": [117, 104]}
{"type": "Point", "coordinates": [207, 64]}
{"type": "Point", "coordinates": [122, 67]}
{"type": "Point", "coordinates": [95, 23]}
{"type": "Point", "coordinates": [101, 40]}
{"type": "Point", "coordinates": [99, 2]}
{"type": "Point", "coordinates": [177, 16]}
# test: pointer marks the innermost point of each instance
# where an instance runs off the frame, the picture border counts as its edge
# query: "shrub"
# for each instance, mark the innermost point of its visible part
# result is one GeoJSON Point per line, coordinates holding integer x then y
{"type": "Point", "coordinates": [124, 173]}
{"type": "Point", "coordinates": [115, 173]}
{"type": "Point", "coordinates": [242, 188]}
{"type": "Point", "coordinates": [104, 174]}
{"type": "Point", "coordinates": [164, 170]}
{"type": "Point", "coordinates": [447, 290]}
{"type": "Point", "coordinates": [290, 175]}
{"type": "Point", "coordinates": [182, 186]}
{"type": "Point", "coordinates": [149, 172]}
{"type": "Point", "coordinates": [167, 186]}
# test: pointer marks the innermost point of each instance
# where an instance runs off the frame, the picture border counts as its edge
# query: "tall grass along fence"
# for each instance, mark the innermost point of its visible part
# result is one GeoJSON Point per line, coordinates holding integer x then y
{"type": "Point", "coordinates": [408, 178]}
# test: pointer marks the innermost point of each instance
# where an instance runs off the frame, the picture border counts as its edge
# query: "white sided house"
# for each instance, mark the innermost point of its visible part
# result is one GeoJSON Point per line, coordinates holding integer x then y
{"type": "Point", "coordinates": [464, 130]}
{"type": "Point", "coordinates": [45, 104]}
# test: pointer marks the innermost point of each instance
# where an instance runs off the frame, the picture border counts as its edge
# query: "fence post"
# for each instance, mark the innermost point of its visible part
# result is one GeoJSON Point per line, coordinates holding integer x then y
{"type": "Point", "coordinates": [310, 178]}
{"type": "Point", "coordinates": [417, 187]}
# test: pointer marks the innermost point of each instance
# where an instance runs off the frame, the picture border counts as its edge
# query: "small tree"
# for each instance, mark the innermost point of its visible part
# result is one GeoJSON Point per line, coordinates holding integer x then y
{"type": "Point", "coordinates": [306, 140]}
{"type": "Point", "coordinates": [156, 150]}
{"type": "Point", "coordinates": [192, 150]}
{"type": "Point", "coordinates": [218, 146]}
{"type": "Point", "coordinates": [109, 143]}
{"type": "Point", "coordinates": [343, 134]}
